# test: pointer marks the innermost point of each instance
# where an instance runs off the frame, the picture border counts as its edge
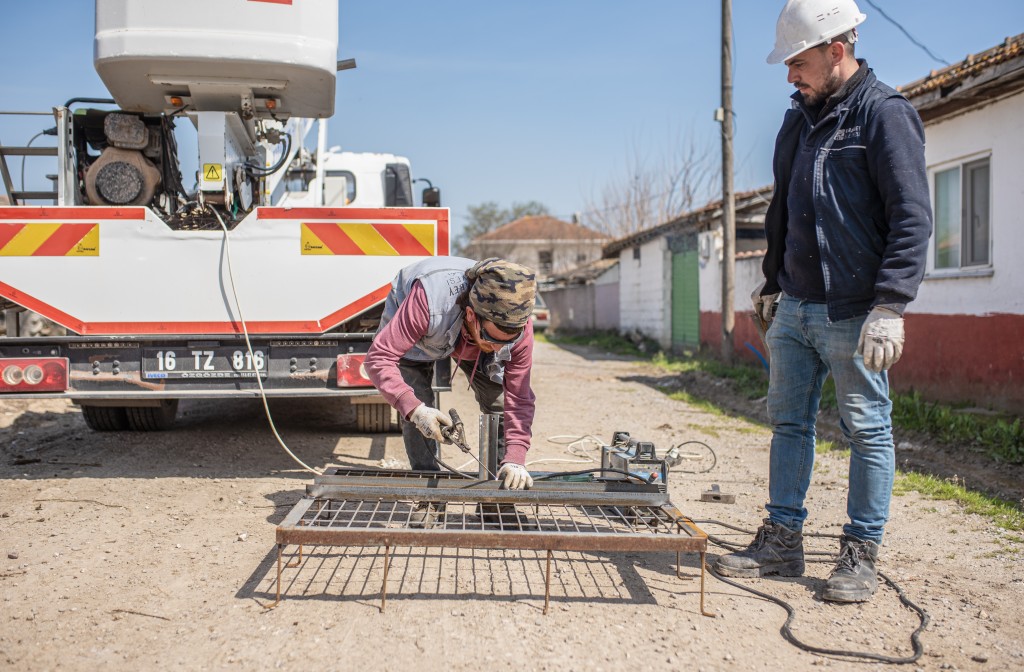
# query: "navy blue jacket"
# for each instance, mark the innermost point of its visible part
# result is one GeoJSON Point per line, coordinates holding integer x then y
{"type": "Point", "coordinates": [871, 201]}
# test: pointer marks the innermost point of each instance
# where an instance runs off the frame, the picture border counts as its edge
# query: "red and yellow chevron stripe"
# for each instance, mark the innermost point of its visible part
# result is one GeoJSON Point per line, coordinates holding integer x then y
{"type": "Point", "coordinates": [49, 239]}
{"type": "Point", "coordinates": [365, 239]}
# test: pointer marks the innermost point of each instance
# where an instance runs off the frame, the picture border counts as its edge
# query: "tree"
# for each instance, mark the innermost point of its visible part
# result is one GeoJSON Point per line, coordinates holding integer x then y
{"type": "Point", "coordinates": [488, 216]}
{"type": "Point", "coordinates": [654, 192]}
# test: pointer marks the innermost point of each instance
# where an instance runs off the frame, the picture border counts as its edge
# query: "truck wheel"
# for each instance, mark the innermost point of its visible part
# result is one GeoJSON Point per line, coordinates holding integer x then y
{"type": "Point", "coordinates": [374, 418]}
{"type": "Point", "coordinates": [105, 418]}
{"type": "Point", "coordinates": [153, 418]}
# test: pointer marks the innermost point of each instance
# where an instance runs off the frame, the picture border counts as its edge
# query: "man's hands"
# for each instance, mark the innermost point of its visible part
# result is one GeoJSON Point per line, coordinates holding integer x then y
{"type": "Point", "coordinates": [429, 420]}
{"type": "Point", "coordinates": [516, 477]}
{"type": "Point", "coordinates": [763, 304]}
{"type": "Point", "coordinates": [881, 339]}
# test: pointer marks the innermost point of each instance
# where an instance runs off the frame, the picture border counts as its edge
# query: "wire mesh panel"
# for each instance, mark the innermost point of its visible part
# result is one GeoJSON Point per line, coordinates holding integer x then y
{"type": "Point", "coordinates": [394, 521]}
{"type": "Point", "coordinates": [387, 508]}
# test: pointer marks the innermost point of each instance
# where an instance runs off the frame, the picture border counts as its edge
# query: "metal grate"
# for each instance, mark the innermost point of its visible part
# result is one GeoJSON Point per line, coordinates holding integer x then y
{"type": "Point", "coordinates": [346, 507]}
{"type": "Point", "coordinates": [467, 516]}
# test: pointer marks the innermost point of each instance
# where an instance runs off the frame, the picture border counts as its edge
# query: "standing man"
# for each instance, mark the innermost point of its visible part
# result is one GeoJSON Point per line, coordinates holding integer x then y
{"type": "Point", "coordinates": [478, 313]}
{"type": "Point", "coordinates": [847, 233]}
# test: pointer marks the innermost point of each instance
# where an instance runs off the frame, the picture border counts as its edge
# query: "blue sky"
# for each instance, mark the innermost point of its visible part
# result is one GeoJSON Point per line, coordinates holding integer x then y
{"type": "Point", "coordinates": [529, 100]}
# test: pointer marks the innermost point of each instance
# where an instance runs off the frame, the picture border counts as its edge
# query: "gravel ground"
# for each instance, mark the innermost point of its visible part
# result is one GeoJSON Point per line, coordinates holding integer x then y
{"type": "Point", "coordinates": [156, 551]}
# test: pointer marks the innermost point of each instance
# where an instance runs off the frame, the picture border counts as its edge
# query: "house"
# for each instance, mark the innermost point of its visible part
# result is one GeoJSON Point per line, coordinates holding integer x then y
{"type": "Point", "coordinates": [543, 243]}
{"type": "Point", "coordinates": [965, 331]}
{"type": "Point", "coordinates": [668, 274]}
{"type": "Point", "coordinates": [585, 298]}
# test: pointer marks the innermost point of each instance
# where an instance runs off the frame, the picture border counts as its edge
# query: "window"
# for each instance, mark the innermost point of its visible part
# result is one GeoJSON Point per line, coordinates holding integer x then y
{"type": "Point", "coordinates": [962, 226]}
{"type": "Point", "coordinates": [545, 260]}
{"type": "Point", "coordinates": [339, 187]}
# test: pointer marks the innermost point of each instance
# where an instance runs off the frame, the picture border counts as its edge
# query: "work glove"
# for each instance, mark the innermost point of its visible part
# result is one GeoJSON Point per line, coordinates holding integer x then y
{"type": "Point", "coordinates": [429, 420]}
{"type": "Point", "coordinates": [516, 477]}
{"type": "Point", "coordinates": [881, 339]}
{"type": "Point", "coordinates": [764, 305]}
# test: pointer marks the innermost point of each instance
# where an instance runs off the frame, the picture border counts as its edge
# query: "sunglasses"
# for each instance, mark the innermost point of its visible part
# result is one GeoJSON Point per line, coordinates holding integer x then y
{"type": "Point", "coordinates": [484, 336]}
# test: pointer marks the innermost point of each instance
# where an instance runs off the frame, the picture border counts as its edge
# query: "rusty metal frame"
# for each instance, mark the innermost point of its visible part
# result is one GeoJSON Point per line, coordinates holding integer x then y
{"type": "Point", "coordinates": [360, 509]}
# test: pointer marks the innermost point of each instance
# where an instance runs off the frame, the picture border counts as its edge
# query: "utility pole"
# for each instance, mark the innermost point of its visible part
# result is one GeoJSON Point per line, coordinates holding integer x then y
{"type": "Point", "coordinates": [728, 195]}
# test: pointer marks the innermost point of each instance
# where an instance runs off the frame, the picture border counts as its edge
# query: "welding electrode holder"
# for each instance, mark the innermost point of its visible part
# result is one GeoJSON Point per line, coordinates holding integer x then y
{"type": "Point", "coordinates": [456, 433]}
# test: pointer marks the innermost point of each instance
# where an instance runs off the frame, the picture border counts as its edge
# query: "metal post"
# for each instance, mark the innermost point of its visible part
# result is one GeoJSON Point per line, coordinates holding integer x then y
{"type": "Point", "coordinates": [547, 585]}
{"type": "Point", "coordinates": [279, 549]}
{"type": "Point", "coordinates": [488, 450]}
{"type": "Point", "coordinates": [703, 611]}
{"type": "Point", "coordinates": [728, 195]}
{"type": "Point", "coordinates": [384, 585]}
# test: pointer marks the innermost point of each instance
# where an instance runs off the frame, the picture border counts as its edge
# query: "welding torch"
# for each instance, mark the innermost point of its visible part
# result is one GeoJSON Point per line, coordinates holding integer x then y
{"type": "Point", "coordinates": [456, 434]}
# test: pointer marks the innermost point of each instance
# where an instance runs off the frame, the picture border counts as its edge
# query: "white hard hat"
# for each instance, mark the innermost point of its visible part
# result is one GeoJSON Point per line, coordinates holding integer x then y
{"type": "Point", "coordinates": [807, 23]}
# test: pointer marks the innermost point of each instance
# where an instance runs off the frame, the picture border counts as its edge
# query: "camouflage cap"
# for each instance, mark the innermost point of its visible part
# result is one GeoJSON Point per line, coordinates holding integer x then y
{"type": "Point", "coordinates": [502, 292]}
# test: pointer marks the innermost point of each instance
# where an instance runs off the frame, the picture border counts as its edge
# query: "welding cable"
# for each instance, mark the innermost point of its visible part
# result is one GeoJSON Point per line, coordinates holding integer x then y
{"type": "Point", "coordinates": [786, 630]}
{"type": "Point", "coordinates": [248, 344]}
{"type": "Point", "coordinates": [575, 444]}
{"type": "Point", "coordinates": [695, 456]}
{"type": "Point", "coordinates": [581, 472]}
{"type": "Point", "coordinates": [454, 470]}
{"type": "Point", "coordinates": [24, 156]}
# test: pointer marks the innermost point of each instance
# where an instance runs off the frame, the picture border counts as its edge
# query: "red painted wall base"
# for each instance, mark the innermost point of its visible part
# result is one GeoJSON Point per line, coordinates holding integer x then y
{"type": "Point", "coordinates": [973, 359]}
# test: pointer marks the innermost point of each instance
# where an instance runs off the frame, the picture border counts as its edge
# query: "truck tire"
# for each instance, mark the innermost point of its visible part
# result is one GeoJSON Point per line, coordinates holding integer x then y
{"type": "Point", "coordinates": [105, 418]}
{"type": "Point", "coordinates": [374, 418]}
{"type": "Point", "coordinates": [153, 418]}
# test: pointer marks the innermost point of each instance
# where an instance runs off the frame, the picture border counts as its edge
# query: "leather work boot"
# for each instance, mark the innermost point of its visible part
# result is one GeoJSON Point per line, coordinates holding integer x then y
{"type": "Point", "coordinates": [855, 578]}
{"type": "Point", "coordinates": [426, 514]}
{"type": "Point", "coordinates": [775, 550]}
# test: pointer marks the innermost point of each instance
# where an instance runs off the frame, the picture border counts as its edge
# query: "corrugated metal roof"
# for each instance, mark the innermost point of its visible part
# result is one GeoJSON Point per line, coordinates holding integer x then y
{"type": "Point", "coordinates": [747, 202]}
{"type": "Point", "coordinates": [581, 275]}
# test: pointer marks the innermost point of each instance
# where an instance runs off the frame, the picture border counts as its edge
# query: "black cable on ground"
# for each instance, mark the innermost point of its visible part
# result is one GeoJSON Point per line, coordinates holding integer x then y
{"type": "Point", "coordinates": [786, 630]}
{"type": "Point", "coordinates": [581, 472]}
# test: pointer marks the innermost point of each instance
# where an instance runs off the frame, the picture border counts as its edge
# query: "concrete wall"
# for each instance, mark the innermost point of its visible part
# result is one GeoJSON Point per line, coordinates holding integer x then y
{"type": "Point", "coordinates": [586, 307]}
{"type": "Point", "coordinates": [566, 254]}
{"type": "Point", "coordinates": [965, 331]}
{"type": "Point", "coordinates": [645, 291]}
{"type": "Point", "coordinates": [747, 276]}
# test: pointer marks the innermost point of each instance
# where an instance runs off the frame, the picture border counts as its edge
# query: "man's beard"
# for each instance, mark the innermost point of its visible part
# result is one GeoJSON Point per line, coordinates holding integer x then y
{"type": "Point", "coordinates": [831, 85]}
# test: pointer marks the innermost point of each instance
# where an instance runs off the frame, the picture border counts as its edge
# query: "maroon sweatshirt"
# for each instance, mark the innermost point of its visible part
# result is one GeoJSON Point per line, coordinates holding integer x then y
{"type": "Point", "coordinates": [408, 326]}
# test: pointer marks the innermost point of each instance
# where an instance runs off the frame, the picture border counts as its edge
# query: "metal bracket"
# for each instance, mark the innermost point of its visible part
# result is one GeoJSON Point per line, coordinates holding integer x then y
{"type": "Point", "coordinates": [716, 495]}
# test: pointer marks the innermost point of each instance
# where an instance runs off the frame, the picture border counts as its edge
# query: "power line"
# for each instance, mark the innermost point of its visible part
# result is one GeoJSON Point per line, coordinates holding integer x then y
{"type": "Point", "coordinates": [904, 31]}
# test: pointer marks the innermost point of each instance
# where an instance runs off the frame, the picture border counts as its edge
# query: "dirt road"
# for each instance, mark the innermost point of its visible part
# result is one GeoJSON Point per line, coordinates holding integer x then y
{"type": "Point", "coordinates": [156, 551]}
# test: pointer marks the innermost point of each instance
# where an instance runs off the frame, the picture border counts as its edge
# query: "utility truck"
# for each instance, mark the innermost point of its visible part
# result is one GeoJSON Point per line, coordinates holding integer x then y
{"type": "Point", "coordinates": [266, 277]}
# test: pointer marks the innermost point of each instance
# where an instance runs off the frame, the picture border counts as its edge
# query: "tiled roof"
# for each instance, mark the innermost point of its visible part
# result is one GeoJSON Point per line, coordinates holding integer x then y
{"type": "Point", "coordinates": [977, 79]}
{"type": "Point", "coordinates": [540, 227]}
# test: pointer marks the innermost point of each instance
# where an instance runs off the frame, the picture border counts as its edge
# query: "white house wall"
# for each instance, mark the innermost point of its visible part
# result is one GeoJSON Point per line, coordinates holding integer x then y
{"type": "Point", "coordinates": [996, 131]}
{"type": "Point", "coordinates": [645, 291]}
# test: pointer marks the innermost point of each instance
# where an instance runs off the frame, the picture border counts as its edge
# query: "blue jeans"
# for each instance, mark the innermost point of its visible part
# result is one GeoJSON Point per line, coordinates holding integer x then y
{"type": "Point", "coordinates": [805, 347]}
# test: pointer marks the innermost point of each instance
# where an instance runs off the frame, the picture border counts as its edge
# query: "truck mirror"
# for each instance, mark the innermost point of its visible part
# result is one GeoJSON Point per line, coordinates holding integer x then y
{"type": "Point", "coordinates": [432, 197]}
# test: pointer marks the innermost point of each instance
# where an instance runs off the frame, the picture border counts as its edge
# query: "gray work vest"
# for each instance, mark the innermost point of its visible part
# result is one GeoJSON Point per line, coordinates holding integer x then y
{"type": "Point", "coordinates": [444, 281]}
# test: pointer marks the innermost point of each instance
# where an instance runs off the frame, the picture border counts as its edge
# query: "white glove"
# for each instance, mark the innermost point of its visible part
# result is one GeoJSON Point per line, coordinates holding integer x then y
{"type": "Point", "coordinates": [763, 304]}
{"type": "Point", "coordinates": [429, 420]}
{"type": "Point", "coordinates": [516, 477]}
{"type": "Point", "coordinates": [881, 339]}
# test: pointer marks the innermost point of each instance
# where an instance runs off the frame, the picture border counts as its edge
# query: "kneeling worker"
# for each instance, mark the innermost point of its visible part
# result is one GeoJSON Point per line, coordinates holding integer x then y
{"type": "Point", "coordinates": [479, 314]}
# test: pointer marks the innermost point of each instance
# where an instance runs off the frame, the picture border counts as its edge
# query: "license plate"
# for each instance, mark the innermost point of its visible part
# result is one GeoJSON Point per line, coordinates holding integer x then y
{"type": "Point", "coordinates": [204, 363]}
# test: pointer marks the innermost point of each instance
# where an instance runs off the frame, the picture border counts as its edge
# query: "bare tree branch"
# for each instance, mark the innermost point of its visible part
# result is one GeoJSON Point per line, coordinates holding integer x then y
{"type": "Point", "coordinates": [655, 192]}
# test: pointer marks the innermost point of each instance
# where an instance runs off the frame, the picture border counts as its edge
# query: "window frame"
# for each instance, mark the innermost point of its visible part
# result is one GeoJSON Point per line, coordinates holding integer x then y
{"type": "Point", "coordinates": [966, 166]}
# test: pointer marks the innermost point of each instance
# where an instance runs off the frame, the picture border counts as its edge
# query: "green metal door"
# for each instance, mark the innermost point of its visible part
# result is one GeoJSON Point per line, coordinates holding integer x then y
{"type": "Point", "coordinates": [685, 299]}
